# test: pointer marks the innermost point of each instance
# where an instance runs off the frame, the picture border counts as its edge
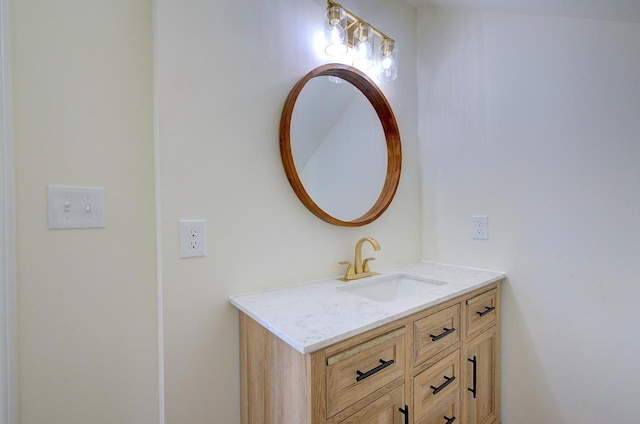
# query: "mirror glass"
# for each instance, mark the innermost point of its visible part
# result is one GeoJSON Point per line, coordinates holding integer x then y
{"type": "Point", "coordinates": [338, 147]}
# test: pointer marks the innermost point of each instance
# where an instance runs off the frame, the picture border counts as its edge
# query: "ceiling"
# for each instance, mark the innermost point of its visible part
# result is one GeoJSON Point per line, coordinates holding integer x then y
{"type": "Point", "coordinates": [626, 10]}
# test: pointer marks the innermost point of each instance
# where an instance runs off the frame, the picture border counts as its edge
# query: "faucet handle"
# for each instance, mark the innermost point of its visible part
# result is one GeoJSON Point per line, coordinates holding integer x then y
{"type": "Point", "coordinates": [349, 274]}
{"type": "Point", "coordinates": [365, 264]}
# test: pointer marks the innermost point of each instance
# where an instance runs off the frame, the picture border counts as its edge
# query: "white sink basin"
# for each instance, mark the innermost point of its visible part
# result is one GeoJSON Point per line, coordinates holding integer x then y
{"type": "Point", "coordinates": [388, 288]}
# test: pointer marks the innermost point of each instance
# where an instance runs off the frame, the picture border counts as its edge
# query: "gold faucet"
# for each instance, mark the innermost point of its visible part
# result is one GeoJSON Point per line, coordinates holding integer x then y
{"type": "Point", "coordinates": [361, 268]}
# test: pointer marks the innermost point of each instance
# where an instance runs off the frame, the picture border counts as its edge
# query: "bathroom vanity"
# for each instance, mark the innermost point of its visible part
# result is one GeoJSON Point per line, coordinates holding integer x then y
{"type": "Point", "coordinates": [418, 344]}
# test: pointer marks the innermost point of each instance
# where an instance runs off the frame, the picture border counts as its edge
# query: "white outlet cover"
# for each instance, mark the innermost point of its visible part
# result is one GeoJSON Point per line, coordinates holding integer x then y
{"type": "Point", "coordinates": [193, 242]}
{"type": "Point", "coordinates": [75, 207]}
{"type": "Point", "coordinates": [479, 227]}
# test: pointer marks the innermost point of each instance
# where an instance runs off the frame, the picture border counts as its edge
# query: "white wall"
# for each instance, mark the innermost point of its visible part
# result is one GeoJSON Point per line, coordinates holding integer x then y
{"type": "Point", "coordinates": [8, 382]}
{"type": "Point", "coordinates": [223, 76]}
{"type": "Point", "coordinates": [535, 121]}
{"type": "Point", "coordinates": [83, 102]}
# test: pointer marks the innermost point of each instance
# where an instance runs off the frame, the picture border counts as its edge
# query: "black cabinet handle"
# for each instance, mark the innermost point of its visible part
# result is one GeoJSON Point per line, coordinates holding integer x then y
{"type": "Point", "coordinates": [487, 309]}
{"type": "Point", "coordinates": [405, 411]}
{"type": "Point", "coordinates": [448, 381]}
{"type": "Point", "coordinates": [446, 332]}
{"type": "Point", "coordinates": [449, 420]}
{"type": "Point", "coordinates": [474, 361]}
{"type": "Point", "coordinates": [383, 364]}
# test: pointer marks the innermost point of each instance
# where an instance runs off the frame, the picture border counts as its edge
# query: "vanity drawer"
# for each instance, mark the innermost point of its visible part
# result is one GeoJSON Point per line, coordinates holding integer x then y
{"type": "Point", "coordinates": [436, 383]}
{"type": "Point", "coordinates": [435, 333]}
{"type": "Point", "coordinates": [446, 412]}
{"type": "Point", "coordinates": [386, 409]}
{"type": "Point", "coordinates": [481, 311]}
{"type": "Point", "coordinates": [364, 368]}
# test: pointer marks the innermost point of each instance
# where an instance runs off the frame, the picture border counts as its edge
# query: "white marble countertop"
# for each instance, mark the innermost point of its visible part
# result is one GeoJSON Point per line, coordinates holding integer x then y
{"type": "Point", "coordinates": [316, 314]}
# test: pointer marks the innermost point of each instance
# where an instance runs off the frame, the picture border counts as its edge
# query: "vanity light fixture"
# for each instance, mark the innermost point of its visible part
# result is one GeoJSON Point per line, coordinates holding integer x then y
{"type": "Point", "coordinates": [346, 34]}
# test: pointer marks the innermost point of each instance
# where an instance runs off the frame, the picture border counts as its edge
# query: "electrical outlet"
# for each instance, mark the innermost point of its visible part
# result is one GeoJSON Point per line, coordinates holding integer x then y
{"type": "Point", "coordinates": [480, 230]}
{"type": "Point", "coordinates": [192, 238]}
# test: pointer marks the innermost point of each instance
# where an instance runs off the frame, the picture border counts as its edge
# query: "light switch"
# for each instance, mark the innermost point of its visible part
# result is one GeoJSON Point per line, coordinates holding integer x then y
{"type": "Point", "coordinates": [76, 207]}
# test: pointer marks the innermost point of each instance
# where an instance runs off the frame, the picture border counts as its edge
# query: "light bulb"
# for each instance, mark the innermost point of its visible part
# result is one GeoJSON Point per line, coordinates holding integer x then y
{"type": "Point", "coordinates": [335, 41]}
{"type": "Point", "coordinates": [388, 61]}
{"type": "Point", "coordinates": [363, 49]}
{"type": "Point", "coordinates": [335, 31]}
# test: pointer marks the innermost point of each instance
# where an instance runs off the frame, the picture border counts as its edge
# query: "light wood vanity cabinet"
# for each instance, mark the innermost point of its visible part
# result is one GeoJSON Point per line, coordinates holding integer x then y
{"type": "Point", "coordinates": [438, 366]}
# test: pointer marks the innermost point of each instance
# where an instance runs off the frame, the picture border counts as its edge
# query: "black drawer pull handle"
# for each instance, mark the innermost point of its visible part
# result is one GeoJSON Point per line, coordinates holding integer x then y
{"type": "Point", "coordinates": [383, 364]}
{"type": "Point", "coordinates": [446, 332]}
{"type": "Point", "coordinates": [448, 381]}
{"type": "Point", "coordinates": [449, 420]}
{"type": "Point", "coordinates": [405, 411]}
{"type": "Point", "coordinates": [474, 361]}
{"type": "Point", "coordinates": [487, 309]}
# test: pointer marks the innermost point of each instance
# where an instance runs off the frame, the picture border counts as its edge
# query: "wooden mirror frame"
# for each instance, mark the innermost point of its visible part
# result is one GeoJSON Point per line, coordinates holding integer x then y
{"type": "Point", "coordinates": [394, 152]}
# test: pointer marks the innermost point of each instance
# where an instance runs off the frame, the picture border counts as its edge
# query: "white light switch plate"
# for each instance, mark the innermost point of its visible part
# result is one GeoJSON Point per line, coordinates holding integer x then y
{"type": "Point", "coordinates": [76, 207]}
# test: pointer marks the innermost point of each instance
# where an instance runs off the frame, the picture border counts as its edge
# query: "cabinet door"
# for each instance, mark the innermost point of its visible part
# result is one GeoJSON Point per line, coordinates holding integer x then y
{"type": "Point", "coordinates": [385, 410]}
{"type": "Point", "coordinates": [483, 378]}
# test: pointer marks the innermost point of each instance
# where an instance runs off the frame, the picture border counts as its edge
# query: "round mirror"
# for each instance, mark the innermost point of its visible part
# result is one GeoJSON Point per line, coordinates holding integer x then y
{"type": "Point", "coordinates": [340, 145]}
